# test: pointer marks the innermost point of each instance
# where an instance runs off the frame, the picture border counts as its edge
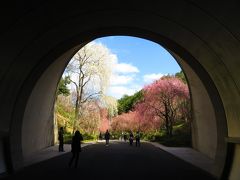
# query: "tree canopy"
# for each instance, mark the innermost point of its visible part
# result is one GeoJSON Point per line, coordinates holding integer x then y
{"type": "Point", "coordinates": [62, 86]}
{"type": "Point", "coordinates": [181, 76]}
{"type": "Point", "coordinates": [89, 71]}
{"type": "Point", "coordinates": [159, 104]}
{"type": "Point", "coordinates": [126, 103]}
{"type": "Point", "coordinates": [164, 101]}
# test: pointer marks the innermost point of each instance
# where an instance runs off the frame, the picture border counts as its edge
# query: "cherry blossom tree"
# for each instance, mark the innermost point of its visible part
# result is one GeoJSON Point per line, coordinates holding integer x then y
{"type": "Point", "coordinates": [104, 123]}
{"type": "Point", "coordinates": [125, 122]}
{"type": "Point", "coordinates": [164, 102]}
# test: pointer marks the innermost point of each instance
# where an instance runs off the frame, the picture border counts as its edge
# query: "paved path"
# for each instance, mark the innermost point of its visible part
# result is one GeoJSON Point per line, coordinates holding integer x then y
{"type": "Point", "coordinates": [190, 155]}
{"type": "Point", "coordinates": [116, 161]}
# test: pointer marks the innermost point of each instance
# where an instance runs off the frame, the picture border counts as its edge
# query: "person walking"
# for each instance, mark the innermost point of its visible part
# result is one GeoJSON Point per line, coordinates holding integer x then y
{"type": "Point", "coordinates": [137, 139]}
{"type": "Point", "coordinates": [131, 138]}
{"type": "Point", "coordinates": [100, 136]}
{"type": "Point", "coordinates": [125, 137]}
{"type": "Point", "coordinates": [76, 148]}
{"type": "Point", "coordinates": [60, 138]}
{"type": "Point", "coordinates": [107, 137]}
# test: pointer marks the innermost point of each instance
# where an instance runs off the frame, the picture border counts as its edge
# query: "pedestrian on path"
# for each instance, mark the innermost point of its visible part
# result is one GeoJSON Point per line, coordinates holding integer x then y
{"type": "Point", "coordinates": [60, 138]}
{"type": "Point", "coordinates": [131, 137]}
{"type": "Point", "coordinates": [107, 137]}
{"type": "Point", "coordinates": [76, 148]}
{"type": "Point", "coordinates": [100, 136]}
{"type": "Point", "coordinates": [137, 137]}
{"type": "Point", "coordinates": [125, 137]}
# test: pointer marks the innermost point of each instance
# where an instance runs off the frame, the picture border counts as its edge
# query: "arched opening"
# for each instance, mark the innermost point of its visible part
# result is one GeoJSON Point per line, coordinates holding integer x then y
{"type": "Point", "coordinates": [130, 64]}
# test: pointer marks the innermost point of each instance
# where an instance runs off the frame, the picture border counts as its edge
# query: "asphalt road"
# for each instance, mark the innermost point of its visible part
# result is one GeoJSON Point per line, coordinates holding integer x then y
{"type": "Point", "coordinates": [117, 161]}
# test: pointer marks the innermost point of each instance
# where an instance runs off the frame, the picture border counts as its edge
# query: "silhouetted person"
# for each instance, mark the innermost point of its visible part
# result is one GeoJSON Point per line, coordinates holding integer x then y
{"type": "Point", "coordinates": [125, 137]}
{"type": "Point", "coordinates": [100, 136]}
{"type": "Point", "coordinates": [60, 138]}
{"type": "Point", "coordinates": [107, 137]}
{"type": "Point", "coordinates": [76, 148]}
{"type": "Point", "coordinates": [131, 138]}
{"type": "Point", "coordinates": [121, 138]}
{"type": "Point", "coordinates": [137, 139]}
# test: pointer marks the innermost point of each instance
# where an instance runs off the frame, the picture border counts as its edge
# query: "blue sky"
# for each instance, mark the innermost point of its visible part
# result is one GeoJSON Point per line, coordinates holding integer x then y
{"type": "Point", "coordinates": [140, 62]}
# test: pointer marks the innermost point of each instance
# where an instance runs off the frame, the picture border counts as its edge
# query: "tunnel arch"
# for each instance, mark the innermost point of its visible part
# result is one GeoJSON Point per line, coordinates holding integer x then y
{"type": "Point", "coordinates": [208, 59]}
{"type": "Point", "coordinates": [33, 103]}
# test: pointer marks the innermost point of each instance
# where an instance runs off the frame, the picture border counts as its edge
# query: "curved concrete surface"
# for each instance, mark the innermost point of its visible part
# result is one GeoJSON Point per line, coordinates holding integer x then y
{"type": "Point", "coordinates": [38, 38]}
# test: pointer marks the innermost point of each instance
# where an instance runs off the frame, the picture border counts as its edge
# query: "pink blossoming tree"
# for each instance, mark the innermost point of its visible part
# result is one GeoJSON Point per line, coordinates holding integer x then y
{"type": "Point", "coordinates": [165, 101]}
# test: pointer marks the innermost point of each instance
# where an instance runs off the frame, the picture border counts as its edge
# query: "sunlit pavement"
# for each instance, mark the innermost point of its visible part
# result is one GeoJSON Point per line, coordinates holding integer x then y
{"type": "Point", "coordinates": [119, 160]}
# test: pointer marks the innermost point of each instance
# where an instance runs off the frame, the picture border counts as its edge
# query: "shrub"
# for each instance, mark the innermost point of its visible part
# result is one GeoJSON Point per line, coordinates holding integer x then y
{"type": "Point", "coordinates": [67, 138]}
{"type": "Point", "coordinates": [87, 136]}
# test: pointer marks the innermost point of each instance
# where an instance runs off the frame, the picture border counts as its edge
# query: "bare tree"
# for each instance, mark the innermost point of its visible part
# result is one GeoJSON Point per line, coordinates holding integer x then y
{"type": "Point", "coordinates": [89, 72]}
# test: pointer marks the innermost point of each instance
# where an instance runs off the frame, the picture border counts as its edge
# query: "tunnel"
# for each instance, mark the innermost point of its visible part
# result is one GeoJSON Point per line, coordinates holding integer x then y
{"type": "Point", "coordinates": [39, 38]}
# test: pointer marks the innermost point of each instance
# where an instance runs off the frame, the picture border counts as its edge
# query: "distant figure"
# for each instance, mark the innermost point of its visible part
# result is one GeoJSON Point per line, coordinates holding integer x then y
{"type": "Point", "coordinates": [60, 138]}
{"type": "Point", "coordinates": [137, 139]}
{"type": "Point", "coordinates": [131, 138]}
{"type": "Point", "coordinates": [107, 137]}
{"type": "Point", "coordinates": [121, 138]}
{"type": "Point", "coordinates": [100, 136]}
{"type": "Point", "coordinates": [76, 148]}
{"type": "Point", "coordinates": [125, 137]}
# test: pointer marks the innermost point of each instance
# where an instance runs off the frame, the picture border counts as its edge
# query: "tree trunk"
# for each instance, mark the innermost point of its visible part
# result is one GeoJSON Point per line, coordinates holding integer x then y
{"type": "Point", "coordinates": [167, 120]}
{"type": "Point", "coordinates": [170, 128]}
{"type": "Point", "coordinates": [77, 106]}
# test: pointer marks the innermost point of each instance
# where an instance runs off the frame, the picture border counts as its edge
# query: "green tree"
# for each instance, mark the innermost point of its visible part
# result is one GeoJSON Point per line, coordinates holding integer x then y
{"type": "Point", "coordinates": [62, 89]}
{"type": "Point", "coordinates": [181, 76]}
{"type": "Point", "coordinates": [126, 103]}
{"type": "Point", "coordinates": [62, 86]}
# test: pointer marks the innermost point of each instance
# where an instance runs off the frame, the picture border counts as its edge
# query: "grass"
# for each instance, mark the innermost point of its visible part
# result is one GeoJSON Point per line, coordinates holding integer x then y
{"type": "Point", "coordinates": [87, 138]}
{"type": "Point", "coordinates": [181, 137]}
{"type": "Point", "coordinates": [180, 140]}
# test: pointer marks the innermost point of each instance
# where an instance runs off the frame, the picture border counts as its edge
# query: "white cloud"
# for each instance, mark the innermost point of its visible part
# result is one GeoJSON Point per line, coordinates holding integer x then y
{"type": "Point", "coordinates": [148, 78]}
{"type": "Point", "coordinates": [119, 91]}
{"type": "Point", "coordinates": [122, 73]}
{"type": "Point", "coordinates": [120, 79]}
{"type": "Point", "coordinates": [125, 68]}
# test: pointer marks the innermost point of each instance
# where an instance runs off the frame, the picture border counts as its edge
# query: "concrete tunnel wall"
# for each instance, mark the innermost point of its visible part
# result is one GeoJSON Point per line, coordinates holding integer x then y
{"type": "Point", "coordinates": [208, 119]}
{"type": "Point", "coordinates": [35, 35]}
{"type": "Point", "coordinates": [38, 125]}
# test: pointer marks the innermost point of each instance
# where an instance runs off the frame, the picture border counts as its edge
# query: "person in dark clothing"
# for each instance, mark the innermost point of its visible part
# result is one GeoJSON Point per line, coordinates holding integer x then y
{"type": "Point", "coordinates": [107, 137]}
{"type": "Point", "coordinates": [100, 136]}
{"type": "Point", "coordinates": [125, 137]}
{"type": "Point", "coordinates": [131, 138]}
{"type": "Point", "coordinates": [137, 139]}
{"type": "Point", "coordinates": [60, 138]}
{"type": "Point", "coordinates": [76, 148]}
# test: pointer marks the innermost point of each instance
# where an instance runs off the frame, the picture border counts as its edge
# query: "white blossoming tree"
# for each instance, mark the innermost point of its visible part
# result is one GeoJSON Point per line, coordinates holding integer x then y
{"type": "Point", "coordinates": [89, 71]}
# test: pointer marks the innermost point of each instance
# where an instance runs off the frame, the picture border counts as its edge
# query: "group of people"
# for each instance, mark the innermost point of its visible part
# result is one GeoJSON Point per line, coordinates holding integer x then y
{"type": "Point", "coordinates": [131, 137]}
{"type": "Point", "coordinates": [78, 138]}
{"type": "Point", "coordinates": [137, 138]}
{"type": "Point", "coordinates": [107, 136]}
